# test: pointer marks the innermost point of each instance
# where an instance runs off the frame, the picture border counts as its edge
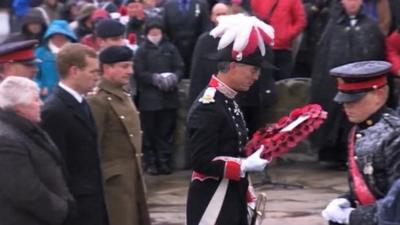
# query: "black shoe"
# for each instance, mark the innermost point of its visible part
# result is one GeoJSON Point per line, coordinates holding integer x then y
{"type": "Point", "coordinates": [152, 170]}
{"type": "Point", "coordinates": [164, 169]}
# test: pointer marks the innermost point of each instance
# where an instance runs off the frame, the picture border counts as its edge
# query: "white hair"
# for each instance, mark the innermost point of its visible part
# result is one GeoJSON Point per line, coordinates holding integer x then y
{"type": "Point", "coordinates": [17, 91]}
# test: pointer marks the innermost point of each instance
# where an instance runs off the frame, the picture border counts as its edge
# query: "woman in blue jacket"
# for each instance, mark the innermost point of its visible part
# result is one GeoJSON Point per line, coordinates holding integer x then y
{"type": "Point", "coordinates": [57, 35]}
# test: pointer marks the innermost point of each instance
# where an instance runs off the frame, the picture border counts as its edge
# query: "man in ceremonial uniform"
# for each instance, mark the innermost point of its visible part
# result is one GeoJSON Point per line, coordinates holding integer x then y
{"type": "Point", "coordinates": [219, 191]}
{"type": "Point", "coordinates": [18, 59]}
{"type": "Point", "coordinates": [374, 142]}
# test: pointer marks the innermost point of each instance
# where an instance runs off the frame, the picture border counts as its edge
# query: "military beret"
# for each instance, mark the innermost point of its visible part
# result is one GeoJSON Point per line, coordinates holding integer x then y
{"type": "Point", "coordinates": [355, 80]}
{"type": "Point", "coordinates": [19, 51]}
{"type": "Point", "coordinates": [114, 54]}
{"type": "Point", "coordinates": [109, 28]}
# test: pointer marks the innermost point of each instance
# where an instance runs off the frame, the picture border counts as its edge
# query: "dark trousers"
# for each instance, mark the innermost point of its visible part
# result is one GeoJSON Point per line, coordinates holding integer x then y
{"type": "Point", "coordinates": [158, 131]}
{"type": "Point", "coordinates": [283, 61]}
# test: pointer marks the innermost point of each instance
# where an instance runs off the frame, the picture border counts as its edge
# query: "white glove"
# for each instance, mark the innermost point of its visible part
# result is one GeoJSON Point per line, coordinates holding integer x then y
{"type": "Point", "coordinates": [338, 211]}
{"type": "Point", "coordinates": [253, 163]}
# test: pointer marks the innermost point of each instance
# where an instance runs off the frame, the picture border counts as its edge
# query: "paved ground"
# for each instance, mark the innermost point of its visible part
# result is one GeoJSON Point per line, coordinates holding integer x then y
{"type": "Point", "coordinates": [291, 205]}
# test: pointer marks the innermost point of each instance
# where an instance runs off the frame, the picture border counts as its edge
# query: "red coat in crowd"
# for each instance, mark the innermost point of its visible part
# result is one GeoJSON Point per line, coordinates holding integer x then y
{"type": "Point", "coordinates": [393, 51]}
{"type": "Point", "coordinates": [287, 17]}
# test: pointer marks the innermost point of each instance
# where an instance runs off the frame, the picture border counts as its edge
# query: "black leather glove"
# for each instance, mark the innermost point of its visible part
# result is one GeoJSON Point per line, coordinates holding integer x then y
{"type": "Point", "coordinates": [72, 212]}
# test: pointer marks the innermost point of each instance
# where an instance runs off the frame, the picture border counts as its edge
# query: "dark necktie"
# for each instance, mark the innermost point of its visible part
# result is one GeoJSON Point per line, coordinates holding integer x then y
{"type": "Point", "coordinates": [184, 5]}
{"type": "Point", "coordinates": [85, 107]}
{"type": "Point", "coordinates": [86, 110]}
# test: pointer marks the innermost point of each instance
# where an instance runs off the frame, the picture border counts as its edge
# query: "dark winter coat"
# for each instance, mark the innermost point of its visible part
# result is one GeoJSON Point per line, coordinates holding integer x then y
{"type": "Point", "coordinates": [76, 137]}
{"type": "Point", "coordinates": [150, 59]}
{"type": "Point", "coordinates": [341, 44]}
{"type": "Point", "coordinates": [5, 4]}
{"type": "Point", "coordinates": [33, 189]}
{"type": "Point", "coordinates": [317, 17]}
{"type": "Point", "coordinates": [184, 27]}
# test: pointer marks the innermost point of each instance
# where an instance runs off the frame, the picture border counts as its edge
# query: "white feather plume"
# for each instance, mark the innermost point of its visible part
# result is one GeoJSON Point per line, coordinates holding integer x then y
{"type": "Point", "coordinates": [237, 28]}
{"type": "Point", "coordinates": [261, 44]}
{"type": "Point", "coordinates": [242, 38]}
{"type": "Point", "coordinates": [228, 37]}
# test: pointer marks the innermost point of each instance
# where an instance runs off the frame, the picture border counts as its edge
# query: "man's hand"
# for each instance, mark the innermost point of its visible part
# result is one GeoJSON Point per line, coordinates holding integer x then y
{"type": "Point", "coordinates": [254, 162]}
{"type": "Point", "coordinates": [338, 211]}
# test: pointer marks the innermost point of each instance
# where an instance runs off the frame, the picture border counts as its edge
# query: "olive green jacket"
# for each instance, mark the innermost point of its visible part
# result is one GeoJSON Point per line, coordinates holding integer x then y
{"type": "Point", "coordinates": [120, 139]}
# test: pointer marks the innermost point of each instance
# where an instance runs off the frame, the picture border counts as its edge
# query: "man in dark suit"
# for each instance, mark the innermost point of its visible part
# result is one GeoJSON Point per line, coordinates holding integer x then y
{"type": "Point", "coordinates": [184, 21]}
{"type": "Point", "coordinates": [68, 120]}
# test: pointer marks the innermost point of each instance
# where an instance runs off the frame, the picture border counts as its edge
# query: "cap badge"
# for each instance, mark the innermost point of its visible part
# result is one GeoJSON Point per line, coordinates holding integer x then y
{"type": "Point", "coordinates": [239, 56]}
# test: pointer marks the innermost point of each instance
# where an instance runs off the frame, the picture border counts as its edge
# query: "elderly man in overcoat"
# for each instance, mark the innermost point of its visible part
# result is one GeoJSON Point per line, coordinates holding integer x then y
{"type": "Point", "coordinates": [32, 175]}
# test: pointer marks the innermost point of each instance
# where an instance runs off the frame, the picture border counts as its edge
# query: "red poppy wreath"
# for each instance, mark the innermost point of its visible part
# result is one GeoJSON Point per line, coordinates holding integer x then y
{"type": "Point", "coordinates": [280, 137]}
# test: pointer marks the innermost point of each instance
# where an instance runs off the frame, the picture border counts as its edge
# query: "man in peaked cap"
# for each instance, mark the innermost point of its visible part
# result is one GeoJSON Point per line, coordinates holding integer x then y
{"type": "Point", "coordinates": [374, 142]}
{"type": "Point", "coordinates": [219, 192]}
{"type": "Point", "coordinates": [118, 125]}
{"type": "Point", "coordinates": [18, 59]}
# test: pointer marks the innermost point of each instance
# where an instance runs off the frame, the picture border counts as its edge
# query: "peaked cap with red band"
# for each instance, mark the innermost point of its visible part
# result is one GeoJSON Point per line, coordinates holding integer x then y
{"type": "Point", "coordinates": [243, 39]}
{"type": "Point", "coordinates": [355, 80]}
{"type": "Point", "coordinates": [19, 51]}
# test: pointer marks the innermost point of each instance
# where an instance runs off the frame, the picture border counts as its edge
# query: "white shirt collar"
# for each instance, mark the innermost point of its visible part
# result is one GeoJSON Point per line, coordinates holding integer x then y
{"type": "Point", "coordinates": [74, 93]}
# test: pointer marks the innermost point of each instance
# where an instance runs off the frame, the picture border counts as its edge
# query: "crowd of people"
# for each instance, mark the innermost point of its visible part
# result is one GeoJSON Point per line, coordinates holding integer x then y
{"type": "Point", "coordinates": [89, 100]}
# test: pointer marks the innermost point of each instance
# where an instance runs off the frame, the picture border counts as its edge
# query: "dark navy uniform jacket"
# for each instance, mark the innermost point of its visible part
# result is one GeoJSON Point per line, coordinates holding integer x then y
{"type": "Point", "coordinates": [389, 207]}
{"type": "Point", "coordinates": [377, 149]}
{"type": "Point", "coordinates": [217, 135]}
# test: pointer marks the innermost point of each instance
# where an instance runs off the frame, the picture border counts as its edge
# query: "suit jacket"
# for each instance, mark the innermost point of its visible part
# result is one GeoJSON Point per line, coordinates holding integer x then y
{"type": "Point", "coordinates": [120, 139]}
{"type": "Point", "coordinates": [75, 135]}
{"type": "Point", "coordinates": [33, 189]}
{"type": "Point", "coordinates": [184, 27]}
